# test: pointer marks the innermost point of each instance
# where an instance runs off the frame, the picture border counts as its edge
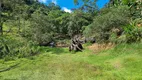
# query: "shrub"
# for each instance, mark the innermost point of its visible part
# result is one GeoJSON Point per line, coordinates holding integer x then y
{"type": "Point", "coordinates": [18, 47]}
{"type": "Point", "coordinates": [104, 23]}
{"type": "Point", "coordinates": [133, 32]}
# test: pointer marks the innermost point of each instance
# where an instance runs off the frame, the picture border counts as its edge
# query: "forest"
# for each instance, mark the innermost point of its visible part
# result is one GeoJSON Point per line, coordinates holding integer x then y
{"type": "Point", "coordinates": [43, 42]}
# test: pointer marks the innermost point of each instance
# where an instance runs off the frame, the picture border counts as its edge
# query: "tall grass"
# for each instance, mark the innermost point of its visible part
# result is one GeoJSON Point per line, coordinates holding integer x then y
{"type": "Point", "coordinates": [122, 62]}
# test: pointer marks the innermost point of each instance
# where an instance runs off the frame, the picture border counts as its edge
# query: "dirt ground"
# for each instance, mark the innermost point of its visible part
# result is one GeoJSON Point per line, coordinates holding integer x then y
{"type": "Point", "coordinates": [99, 47]}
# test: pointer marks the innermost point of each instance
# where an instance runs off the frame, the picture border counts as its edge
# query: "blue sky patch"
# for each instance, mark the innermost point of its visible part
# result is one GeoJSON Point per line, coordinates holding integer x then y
{"type": "Point", "coordinates": [67, 5]}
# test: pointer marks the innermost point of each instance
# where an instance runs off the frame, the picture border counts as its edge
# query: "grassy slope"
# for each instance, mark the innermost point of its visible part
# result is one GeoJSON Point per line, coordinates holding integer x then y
{"type": "Point", "coordinates": [121, 63]}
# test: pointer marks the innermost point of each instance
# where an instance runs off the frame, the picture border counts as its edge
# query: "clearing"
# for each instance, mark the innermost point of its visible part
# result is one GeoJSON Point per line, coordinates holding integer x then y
{"type": "Point", "coordinates": [124, 62]}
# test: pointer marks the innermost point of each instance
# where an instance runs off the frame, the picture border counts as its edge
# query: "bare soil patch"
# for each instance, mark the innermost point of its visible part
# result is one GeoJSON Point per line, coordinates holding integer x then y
{"type": "Point", "coordinates": [99, 47]}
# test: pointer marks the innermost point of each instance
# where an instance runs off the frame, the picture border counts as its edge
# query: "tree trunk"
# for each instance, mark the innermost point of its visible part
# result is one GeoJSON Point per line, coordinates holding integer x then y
{"type": "Point", "coordinates": [1, 29]}
{"type": "Point", "coordinates": [19, 27]}
{"type": "Point", "coordinates": [75, 46]}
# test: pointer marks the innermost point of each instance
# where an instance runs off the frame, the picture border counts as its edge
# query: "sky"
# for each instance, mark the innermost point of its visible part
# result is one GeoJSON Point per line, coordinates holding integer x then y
{"type": "Point", "coordinates": [67, 5]}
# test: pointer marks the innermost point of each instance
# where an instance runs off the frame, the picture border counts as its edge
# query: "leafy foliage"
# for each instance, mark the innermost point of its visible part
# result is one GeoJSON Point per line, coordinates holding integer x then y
{"type": "Point", "coordinates": [134, 6]}
{"type": "Point", "coordinates": [11, 48]}
{"type": "Point", "coordinates": [106, 21]}
{"type": "Point", "coordinates": [133, 32]}
{"type": "Point", "coordinates": [76, 22]}
{"type": "Point", "coordinates": [26, 24]}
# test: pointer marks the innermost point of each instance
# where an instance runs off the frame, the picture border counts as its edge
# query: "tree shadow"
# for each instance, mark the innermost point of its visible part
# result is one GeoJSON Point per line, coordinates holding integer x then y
{"type": "Point", "coordinates": [9, 68]}
{"type": "Point", "coordinates": [56, 50]}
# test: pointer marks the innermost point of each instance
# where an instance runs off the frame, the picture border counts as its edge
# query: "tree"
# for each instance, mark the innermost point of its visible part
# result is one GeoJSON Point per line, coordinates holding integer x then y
{"type": "Point", "coordinates": [44, 23]}
{"type": "Point", "coordinates": [5, 13]}
{"type": "Point", "coordinates": [52, 6]}
{"type": "Point", "coordinates": [1, 19]}
{"type": "Point", "coordinates": [134, 6]}
{"type": "Point", "coordinates": [77, 20]}
{"type": "Point", "coordinates": [108, 19]}
{"type": "Point", "coordinates": [88, 6]}
{"type": "Point", "coordinates": [41, 29]}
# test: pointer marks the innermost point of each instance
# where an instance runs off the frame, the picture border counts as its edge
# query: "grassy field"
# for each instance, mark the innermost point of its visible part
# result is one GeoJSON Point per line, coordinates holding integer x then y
{"type": "Point", "coordinates": [124, 62]}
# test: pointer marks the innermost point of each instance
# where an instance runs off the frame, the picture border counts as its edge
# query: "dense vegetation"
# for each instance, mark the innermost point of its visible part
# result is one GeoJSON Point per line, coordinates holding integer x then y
{"type": "Point", "coordinates": [27, 27]}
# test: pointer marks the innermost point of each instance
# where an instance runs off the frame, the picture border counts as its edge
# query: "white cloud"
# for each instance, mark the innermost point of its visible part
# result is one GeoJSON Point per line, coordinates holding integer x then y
{"type": "Point", "coordinates": [54, 1]}
{"type": "Point", "coordinates": [42, 1]}
{"type": "Point", "coordinates": [45, 1]}
{"type": "Point", "coordinates": [66, 10]}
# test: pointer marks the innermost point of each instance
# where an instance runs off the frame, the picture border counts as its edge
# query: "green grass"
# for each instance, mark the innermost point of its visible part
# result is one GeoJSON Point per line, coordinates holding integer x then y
{"type": "Point", "coordinates": [124, 62]}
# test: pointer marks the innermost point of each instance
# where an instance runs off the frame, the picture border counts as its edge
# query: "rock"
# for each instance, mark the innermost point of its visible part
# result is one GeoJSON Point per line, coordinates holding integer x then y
{"type": "Point", "coordinates": [51, 44]}
{"type": "Point", "coordinates": [91, 40]}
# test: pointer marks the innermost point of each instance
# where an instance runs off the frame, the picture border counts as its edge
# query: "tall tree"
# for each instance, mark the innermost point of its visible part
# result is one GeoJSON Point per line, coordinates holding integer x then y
{"type": "Point", "coordinates": [88, 6]}
{"type": "Point", "coordinates": [77, 20]}
{"type": "Point", "coordinates": [135, 6]}
{"type": "Point", "coordinates": [5, 10]}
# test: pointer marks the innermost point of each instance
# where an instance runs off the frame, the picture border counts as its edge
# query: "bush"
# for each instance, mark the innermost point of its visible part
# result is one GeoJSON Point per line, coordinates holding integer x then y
{"type": "Point", "coordinates": [10, 48]}
{"type": "Point", "coordinates": [41, 29]}
{"type": "Point", "coordinates": [133, 32]}
{"type": "Point", "coordinates": [104, 23]}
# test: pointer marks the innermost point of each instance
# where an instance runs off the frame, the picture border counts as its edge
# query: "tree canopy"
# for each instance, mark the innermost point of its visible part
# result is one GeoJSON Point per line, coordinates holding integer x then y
{"type": "Point", "coordinates": [37, 24]}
